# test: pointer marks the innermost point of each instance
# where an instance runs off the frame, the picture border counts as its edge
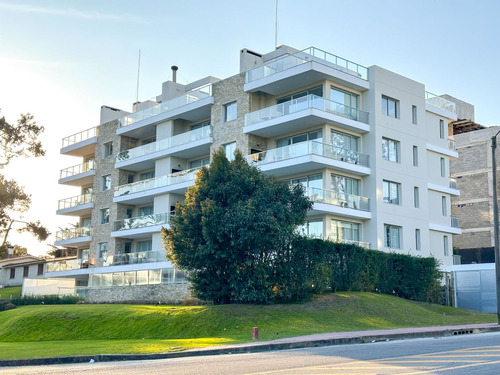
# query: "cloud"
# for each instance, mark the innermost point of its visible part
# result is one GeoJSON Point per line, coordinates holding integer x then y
{"type": "Point", "coordinates": [70, 12]}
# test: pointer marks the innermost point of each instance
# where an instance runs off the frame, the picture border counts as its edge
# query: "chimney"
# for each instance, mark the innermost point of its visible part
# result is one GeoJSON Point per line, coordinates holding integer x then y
{"type": "Point", "coordinates": [174, 73]}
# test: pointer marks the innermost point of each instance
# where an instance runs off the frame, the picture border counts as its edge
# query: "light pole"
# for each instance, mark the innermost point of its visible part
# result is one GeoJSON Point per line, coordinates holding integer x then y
{"type": "Point", "coordinates": [495, 220]}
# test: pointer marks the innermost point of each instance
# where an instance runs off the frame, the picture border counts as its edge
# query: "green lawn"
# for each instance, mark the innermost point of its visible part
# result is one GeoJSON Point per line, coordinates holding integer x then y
{"type": "Point", "coordinates": [53, 330]}
{"type": "Point", "coordinates": [10, 292]}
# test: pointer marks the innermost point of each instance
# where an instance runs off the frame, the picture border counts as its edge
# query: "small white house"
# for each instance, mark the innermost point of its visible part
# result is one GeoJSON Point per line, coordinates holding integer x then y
{"type": "Point", "coordinates": [13, 271]}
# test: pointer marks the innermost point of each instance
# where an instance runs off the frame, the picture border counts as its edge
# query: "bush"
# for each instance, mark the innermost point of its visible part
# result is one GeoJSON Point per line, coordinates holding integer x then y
{"type": "Point", "coordinates": [46, 300]}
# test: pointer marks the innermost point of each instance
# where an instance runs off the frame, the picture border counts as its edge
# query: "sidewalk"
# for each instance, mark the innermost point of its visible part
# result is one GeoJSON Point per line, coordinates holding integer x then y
{"type": "Point", "coordinates": [322, 339]}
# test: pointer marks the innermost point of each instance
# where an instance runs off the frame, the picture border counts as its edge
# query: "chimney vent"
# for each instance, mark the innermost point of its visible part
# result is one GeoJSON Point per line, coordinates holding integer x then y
{"type": "Point", "coordinates": [174, 73]}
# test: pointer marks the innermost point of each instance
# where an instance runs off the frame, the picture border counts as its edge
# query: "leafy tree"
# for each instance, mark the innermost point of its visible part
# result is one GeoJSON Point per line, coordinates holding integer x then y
{"type": "Point", "coordinates": [233, 233]}
{"type": "Point", "coordinates": [15, 141]}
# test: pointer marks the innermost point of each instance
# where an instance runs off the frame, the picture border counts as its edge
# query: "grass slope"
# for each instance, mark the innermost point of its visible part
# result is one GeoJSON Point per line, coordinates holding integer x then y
{"type": "Point", "coordinates": [10, 292]}
{"type": "Point", "coordinates": [98, 329]}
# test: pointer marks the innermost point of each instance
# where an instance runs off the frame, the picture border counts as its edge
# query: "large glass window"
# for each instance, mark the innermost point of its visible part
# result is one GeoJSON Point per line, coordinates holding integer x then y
{"type": "Point", "coordinates": [318, 91]}
{"type": "Point", "coordinates": [345, 141]}
{"type": "Point", "coordinates": [230, 111]}
{"type": "Point", "coordinates": [392, 236]}
{"type": "Point", "coordinates": [344, 231]}
{"type": "Point", "coordinates": [344, 102]}
{"type": "Point", "coordinates": [103, 250]}
{"type": "Point", "coordinates": [390, 150]}
{"type": "Point", "coordinates": [147, 210]}
{"type": "Point", "coordinates": [312, 228]}
{"type": "Point", "coordinates": [229, 149]}
{"type": "Point", "coordinates": [200, 125]}
{"type": "Point", "coordinates": [316, 135]}
{"type": "Point", "coordinates": [199, 163]}
{"type": "Point", "coordinates": [147, 175]}
{"type": "Point", "coordinates": [345, 185]}
{"type": "Point", "coordinates": [145, 245]}
{"type": "Point", "coordinates": [311, 184]}
{"type": "Point", "coordinates": [106, 182]}
{"type": "Point", "coordinates": [391, 192]}
{"type": "Point", "coordinates": [390, 107]}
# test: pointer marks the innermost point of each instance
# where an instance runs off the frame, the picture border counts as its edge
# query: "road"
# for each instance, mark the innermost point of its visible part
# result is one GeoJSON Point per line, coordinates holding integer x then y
{"type": "Point", "coordinates": [467, 354]}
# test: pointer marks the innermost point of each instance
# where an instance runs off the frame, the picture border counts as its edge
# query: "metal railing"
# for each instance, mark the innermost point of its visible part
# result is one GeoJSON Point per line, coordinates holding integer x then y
{"type": "Point", "coordinates": [304, 56]}
{"type": "Point", "coordinates": [168, 105]}
{"type": "Point", "coordinates": [454, 221]}
{"type": "Point", "coordinates": [440, 102]}
{"type": "Point", "coordinates": [77, 169]}
{"type": "Point", "coordinates": [75, 201]}
{"type": "Point", "coordinates": [142, 221]}
{"type": "Point", "coordinates": [164, 144]}
{"type": "Point", "coordinates": [156, 182]}
{"type": "Point", "coordinates": [309, 148]}
{"type": "Point", "coordinates": [305, 102]}
{"type": "Point", "coordinates": [335, 198]}
{"type": "Point", "coordinates": [67, 234]}
{"type": "Point", "coordinates": [79, 137]}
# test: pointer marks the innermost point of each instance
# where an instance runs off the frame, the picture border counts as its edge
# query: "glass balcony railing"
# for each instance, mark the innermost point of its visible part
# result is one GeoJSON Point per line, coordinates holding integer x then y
{"type": "Point", "coordinates": [64, 265]}
{"type": "Point", "coordinates": [335, 198]}
{"type": "Point", "coordinates": [80, 137]}
{"type": "Point", "coordinates": [332, 238]}
{"type": "Point", "coordinates": [168, 105]}
{"type": "Point", "coordinates": [440, 102]}
{"type": "Point", "coordinates": [302, 57]}
{"type": "Point", "coordinates": [142, 221]}
{"type": "Point", "coordinates": [454, 221]}
{"type": "Point", "coordinates": [305, 102]}
{"type": "Point", "coordinates": [164, 144]}
{"type": "Point", "coordinates": [138, 257]}
{"type": "Point", "coordinates": [77, 169]}
{"type": "Point", "coordinates": [156, 182]}
{"type": "Point", "coordinates": [75, 201]}
{"type": "Point", "coordinates": [453, 183]}
{"type": "Point", "coordinates": [309, 148]}
{"type": "Point", "coordinates": [68, 234]}
{"type": "Point", "coordinates": [451, 145]}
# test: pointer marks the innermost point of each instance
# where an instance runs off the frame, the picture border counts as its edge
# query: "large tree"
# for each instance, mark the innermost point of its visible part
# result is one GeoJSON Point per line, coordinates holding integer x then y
{"type": "Point", "coordinates": [233, 233]}
{"type": "Point", "coordinates": [17, 140]}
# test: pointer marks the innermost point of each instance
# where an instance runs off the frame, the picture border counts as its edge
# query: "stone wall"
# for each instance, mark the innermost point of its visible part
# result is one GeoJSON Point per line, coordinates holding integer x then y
{"type": "Point", "coordinates": [163, 293]}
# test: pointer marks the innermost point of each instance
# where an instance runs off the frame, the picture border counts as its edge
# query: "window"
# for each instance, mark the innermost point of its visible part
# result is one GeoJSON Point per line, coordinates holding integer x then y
{"type": "Point", "coordinates": [313, 228]}
{"type": "Point", "coordinates": [391, 192]}
{"type": "Point", "coordinates": [415, 156]}
{"type": "Point", "coordinates": [316, 135]}
{"type": "Point", "coordinates": [443, 167]}
{"type": "Point", "coordinates": [108, 149]}
{"type": "Point", "coordinates": [147, 175]}
{"type": "Point", "coordinates": [441, 129]}
{"type": "Point", "coordinates": [444, 211]}
{"type": "Point", "coordinates": [40, 269]}
{"type": "Point", "coordinates": [145, 245]}
{"type": "Point", "coordinates": [390, 107]}
{"type": "Point", "coordinates": [199, 163]}
{"type": "Point", "coordinates": [344, 102]}
{"type": "Point", "coordinates": [106, 182]}
{"type": "Point", "coordinates": [345, 185]}
{"type": "Point", "coordinates": [390, 150]}
{"type": "Point", "coordinates": [344, 231]}
{"type": "Point", "coordinates": [144, 211]}
{"type": "Point", "coordinates": [392, 236]}
{"type": "Point", "coordinates": [26, 271]}
{"type": "Point", "coordinates": [200, 125]}
{"type": "Point", "coordinates": [344, 141]}
{"type": "Point", "coordinates": [103, 250]}
{"type": "Point", "coordinates": [104, 216]}
{"type": "Point", "coordinates": [12, 273]}
{"type": "Point", "coordinates": [417, 240]}
{"type": "Point", "coordinates": [313, 185]}
{"type": "Point", "coordinates": [416, 197]}
{"type": "Point", "coordinates": [445, 246]}
{"type": "Point", "coordinates": [229, 149]}
{"type": "Point", "coordinates": [414, 115]}
{"type": "Point", "coordinates": [318, 91]}
{"type": "Point", "coordinates": [147, 141]}
{"type": "Point", "coordinates": [230, 111]}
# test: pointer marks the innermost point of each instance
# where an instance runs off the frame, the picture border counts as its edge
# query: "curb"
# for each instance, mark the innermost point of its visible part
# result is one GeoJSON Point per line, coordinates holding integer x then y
{"type": "Point", "coordinates": [252, 348]}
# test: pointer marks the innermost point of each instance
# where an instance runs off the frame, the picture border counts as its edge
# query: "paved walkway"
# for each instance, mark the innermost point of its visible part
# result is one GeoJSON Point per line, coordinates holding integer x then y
{"type": "Point", "coordinates": [321, 339]}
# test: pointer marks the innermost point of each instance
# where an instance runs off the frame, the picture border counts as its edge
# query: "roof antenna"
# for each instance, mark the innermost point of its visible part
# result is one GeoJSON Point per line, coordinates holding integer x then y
{"type": "Point", "coordinates": [138, 70]}
{"type": "Point", "coordinates": [276, 27]}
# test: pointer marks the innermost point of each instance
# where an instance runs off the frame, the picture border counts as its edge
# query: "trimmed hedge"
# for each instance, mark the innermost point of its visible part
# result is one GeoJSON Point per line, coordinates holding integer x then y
{"type": "Point", "coordinates": [347, 267]}
{"type": "Point", "coordinates": [46, 300]}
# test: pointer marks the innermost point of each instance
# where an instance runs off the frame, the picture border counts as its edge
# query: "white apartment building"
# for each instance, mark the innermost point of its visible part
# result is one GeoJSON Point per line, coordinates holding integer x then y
{"type": "Point", "coordinates": [371, 147]}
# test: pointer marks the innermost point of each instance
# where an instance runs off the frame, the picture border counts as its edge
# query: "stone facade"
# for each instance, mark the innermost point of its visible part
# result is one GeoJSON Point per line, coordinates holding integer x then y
{"type": "Point", "coordinates": [163, 293]}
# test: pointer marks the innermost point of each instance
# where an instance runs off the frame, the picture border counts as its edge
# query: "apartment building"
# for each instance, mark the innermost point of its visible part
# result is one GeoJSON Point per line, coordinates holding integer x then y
{"type": "Point", "coordinates": [371, 147]}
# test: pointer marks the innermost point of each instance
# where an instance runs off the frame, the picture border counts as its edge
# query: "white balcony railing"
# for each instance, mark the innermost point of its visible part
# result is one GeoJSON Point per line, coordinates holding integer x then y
{"type": "Point", "coordinates": [75, 201]}
{"type": "Point", "coordinates": [142, 221]}
{"type": "Point", "coordinates": [67, 234]}
{"type": "Point", "coordinates": [302, 57]}
{"type": "Point", "coordinates": [80, 137]}
{"type": "Point", "coordinates": [440, 102]}
{"type": "Point", "coordinates": [77, 169]}
{"type": "Point", "coordinates": [305, 102]}
{"type": "Point", "coordinates": [309, 148]}
{"type": "Point", "coordinates": [168, 105]}
{"type": "Point", "coordinates": [64, 265]}
{"type": "Point", "coordinates": [164, 144]}
{"type": "Point", "coordinates": [136, 258]}
{"type": "Point", "coordinates": [335, 198]}
{"type": "Point", "coordinates": [156, 182]}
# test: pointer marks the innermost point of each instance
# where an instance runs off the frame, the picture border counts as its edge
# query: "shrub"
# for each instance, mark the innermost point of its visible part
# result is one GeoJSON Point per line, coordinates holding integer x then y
{"type": "Point", "coordinates": [46, 300]}
{"type": "Point", "coordinates": [6, 305]}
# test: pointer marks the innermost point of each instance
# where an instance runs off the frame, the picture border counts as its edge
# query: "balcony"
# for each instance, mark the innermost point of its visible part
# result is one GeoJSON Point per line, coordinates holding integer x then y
{"type": "Point", "coordinates": [440, 102]}
{"type": "Point", "coordinates": [302, 68]}
{"type": "Point", "coordinates": [143, 191]}
{"type": "Point", "coordinates": [365, 245]}
{"type": "Point", "coordinates": [74, 237]}
{"type": "Point", "coordinates": [80, 144]}
{"type": "Point", "coordinates": [333, 202]}
{"type": "Point", "coordinates": [65, 265]}
{"type": "Point", "coordinates": [451, 145]}
{"type": "Point", "coordinates": [302, 113]}
{"type": "Point", "coordinates": [443, 185]}
{"type": "Point", "coordinates": [78, 175]}
{"type": "Point", "coordinates": [80, 205]}
{"type": "Point", "coordinates": [187, 145]}
{"type": "Point", "coordinates": [307, 156]}
{"type": "Point", "coordinates": [193, 106]}
{"type": "Point", "coordinates": [140, 226]}
{"type": "Point", "coordinates": [138, 257]}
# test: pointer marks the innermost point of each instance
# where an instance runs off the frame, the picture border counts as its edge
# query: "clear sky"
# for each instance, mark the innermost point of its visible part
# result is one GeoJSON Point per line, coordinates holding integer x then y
{"type": "Point", "coordinates": [62, 60]}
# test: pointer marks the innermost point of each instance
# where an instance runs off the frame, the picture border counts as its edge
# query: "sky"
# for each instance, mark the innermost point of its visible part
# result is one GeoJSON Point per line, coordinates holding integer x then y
{"type": "Point", "coordinates": [62, 60]}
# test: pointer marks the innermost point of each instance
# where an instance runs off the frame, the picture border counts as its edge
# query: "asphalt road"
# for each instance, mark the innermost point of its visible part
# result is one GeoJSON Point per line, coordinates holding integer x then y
{"type": "Point", "coordinates": [467, 354]}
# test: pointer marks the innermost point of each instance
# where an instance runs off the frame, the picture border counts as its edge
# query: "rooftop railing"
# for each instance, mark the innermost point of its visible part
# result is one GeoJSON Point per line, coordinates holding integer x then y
{"type": "Point", "coordinates": [77, 169]}
{"type": "Point", "coordinates": [302, 57]}
{"type": "Point", "coordinates": [156, 182]}
{"type": "Point", "coordinates": [336, 198]}
{"type": "Point", "coordinates": [142, 221]}
{"type": "Point", "coordinates": [440, 102]}
{"type": "Point", "coordinates": [75, 201]}
{"type": "Point", "coordinates": [167, 105]}
{"type": "Point", "coordinates": [67, 234]}
{"type": "Point", "coordinates": [305, 102]}
{"type": "Point", "coordinates": [164, 144]}
{"type": "Point", "coordinates": [79, 137]}
{"type": "Point", "coordinates": [309, 148]}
